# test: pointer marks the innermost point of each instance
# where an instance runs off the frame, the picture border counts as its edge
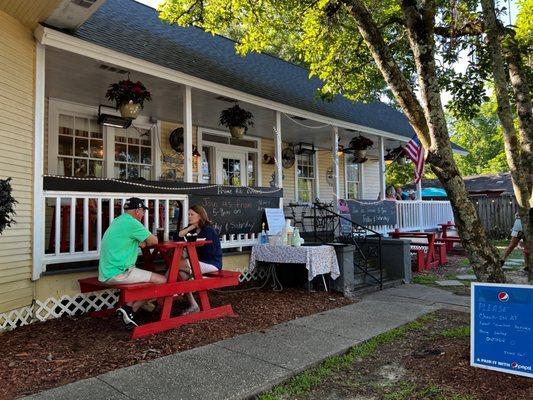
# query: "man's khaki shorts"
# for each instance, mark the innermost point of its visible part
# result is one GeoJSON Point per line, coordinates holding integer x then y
{"type": "Point", "coordinates": [132, 275]}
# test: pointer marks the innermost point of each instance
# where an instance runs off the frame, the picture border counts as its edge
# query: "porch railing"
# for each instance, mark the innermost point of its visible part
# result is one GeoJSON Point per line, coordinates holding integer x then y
{"type": "Point", "coordinates": [410, 215]}
{"type": "Point", "coordinates": [421, 214]}
{"type": "Point", "coordinates": [74, 222]}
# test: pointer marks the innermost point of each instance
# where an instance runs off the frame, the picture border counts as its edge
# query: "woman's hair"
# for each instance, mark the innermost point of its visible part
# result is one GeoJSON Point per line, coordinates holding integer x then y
{"type": "Point", "coordinates": [204, 219]}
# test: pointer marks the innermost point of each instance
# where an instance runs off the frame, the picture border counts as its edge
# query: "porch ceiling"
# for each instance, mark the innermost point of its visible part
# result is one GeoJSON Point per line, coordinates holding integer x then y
{"type": "Point", "coordinates": [29, 12]}
{"type": "Point", "coordinates": [82, 80]}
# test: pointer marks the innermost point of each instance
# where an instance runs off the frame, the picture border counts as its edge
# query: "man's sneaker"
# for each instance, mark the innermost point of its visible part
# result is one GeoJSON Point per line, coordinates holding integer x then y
{"type": "Point", "coordinates": [125, 313]}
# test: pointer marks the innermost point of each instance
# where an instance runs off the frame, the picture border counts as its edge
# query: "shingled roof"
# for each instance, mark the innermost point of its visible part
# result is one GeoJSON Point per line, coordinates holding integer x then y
{"type": "Point", "coordinates": [478, 184]}
{"type": "Point", "coordinates": [136, 30]}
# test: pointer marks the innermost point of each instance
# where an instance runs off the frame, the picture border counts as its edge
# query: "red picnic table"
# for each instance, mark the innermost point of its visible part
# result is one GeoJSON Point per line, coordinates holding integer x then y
{"type": "Point", "coordinates": [448, 240]}
{"type": "Point", "coordinates": [435, 254]}
{"type": "Point", "coordinates": [171, 253]}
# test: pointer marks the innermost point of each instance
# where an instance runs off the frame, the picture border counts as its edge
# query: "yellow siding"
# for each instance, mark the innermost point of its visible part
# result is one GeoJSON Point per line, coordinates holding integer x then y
{"type": "Point", "coordinates": [17, 61]}
{"type": "Point", "coordinates": [166, 150]}
{"type": "Point", "coordinates": [267, 147]}
{"type": "Point", "coordinates": [324, 163]}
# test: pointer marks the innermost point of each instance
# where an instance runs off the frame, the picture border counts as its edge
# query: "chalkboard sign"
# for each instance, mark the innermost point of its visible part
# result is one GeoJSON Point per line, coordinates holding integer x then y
{"type": "Point", "coordinates": [372, 213]}
{"type": "Point", "coordinates": [501, 328]}
{"type": "Point", "coordinates": [346, 226]}
{"type": "Point", "coordinates": [235, 214]}
{"type": "Point", "coordinates": [275, 219]}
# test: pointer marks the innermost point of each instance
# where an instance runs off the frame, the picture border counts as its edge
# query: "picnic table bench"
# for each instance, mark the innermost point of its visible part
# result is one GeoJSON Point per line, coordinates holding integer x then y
{"type": "Point", "coordinates": [448, 240]}
{"type": "Point", "coordinates": [428, 251]}
{"type": "Point", "coordinates": [171, 252]}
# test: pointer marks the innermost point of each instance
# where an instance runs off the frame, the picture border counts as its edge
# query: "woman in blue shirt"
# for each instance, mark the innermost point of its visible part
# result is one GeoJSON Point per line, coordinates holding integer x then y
{"type": "Point", "coordinates": [209, 255]}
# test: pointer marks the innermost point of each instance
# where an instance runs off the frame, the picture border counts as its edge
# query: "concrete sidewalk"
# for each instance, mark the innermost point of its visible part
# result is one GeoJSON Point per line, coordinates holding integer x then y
{"type": "Point", "coordinates": [249, 364]}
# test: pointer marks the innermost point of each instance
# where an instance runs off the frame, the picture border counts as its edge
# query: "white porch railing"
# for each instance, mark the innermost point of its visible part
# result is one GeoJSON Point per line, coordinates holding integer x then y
{"type": "Point", "coordinates": [418, 215]}
{"type": "Point", "coordinates": [74, 222]}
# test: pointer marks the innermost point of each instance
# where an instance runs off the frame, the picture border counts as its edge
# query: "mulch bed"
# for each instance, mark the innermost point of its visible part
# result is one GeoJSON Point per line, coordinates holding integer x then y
{"type": "Point", "coordinates": [450, 367]}
{"type": "Point", "coordinates": [50, 354]}
{"type": "Point", "coordinates": [423, 365]}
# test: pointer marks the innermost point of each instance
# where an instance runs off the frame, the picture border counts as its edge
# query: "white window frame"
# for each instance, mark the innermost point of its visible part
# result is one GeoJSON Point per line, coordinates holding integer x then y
{"type": "Point", "coordinates": [316, 183]}
{"type": "Point", "coordinates": [359, 173]}
{"type": "Point", "coordinates": [58, 106]}
{"type": "Point", "coordinates": [141, 123]}
{"type": "Point", "coordinates": [228, 147]}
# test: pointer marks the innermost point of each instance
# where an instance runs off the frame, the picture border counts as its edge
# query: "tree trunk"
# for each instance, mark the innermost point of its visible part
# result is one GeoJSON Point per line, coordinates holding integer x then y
{"type": "Point", "coordinates": [522, 94]}
{"type": "Point", "coordinates": [429, 123]}
{"type": "Point", "coordinates": [517, 147]}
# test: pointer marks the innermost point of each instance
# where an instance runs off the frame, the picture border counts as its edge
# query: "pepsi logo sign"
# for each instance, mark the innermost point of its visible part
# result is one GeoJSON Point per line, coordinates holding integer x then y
{"type": "Point", "coordinates": [514, 364]}
{"type": "Point", "coordinates": [503, 296]}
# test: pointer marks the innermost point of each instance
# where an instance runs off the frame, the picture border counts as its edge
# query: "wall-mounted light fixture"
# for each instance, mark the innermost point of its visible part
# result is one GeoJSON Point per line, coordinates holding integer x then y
{"type": "Point", "coordinates": [114, 121]}
{"type": "Point", "coordinates": [195, 152]}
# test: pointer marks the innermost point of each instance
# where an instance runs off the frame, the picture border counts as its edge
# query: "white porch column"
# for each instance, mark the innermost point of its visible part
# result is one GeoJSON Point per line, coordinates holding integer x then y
{"type": "Point", "coordinates": [382, 182]}
{"type": "Point", "coordinates": [277, 155]}
{"type": "Point", "coordinates": [187, 134]}
{"type": "Point", "coordinates": [335, 158]}
{"type": "Point", "coordinates": [38, 164]}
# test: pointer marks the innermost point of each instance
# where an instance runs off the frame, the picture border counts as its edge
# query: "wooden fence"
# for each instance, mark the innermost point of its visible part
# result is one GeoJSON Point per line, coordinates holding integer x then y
{"type": "Point", "coordinates": [496, 214]}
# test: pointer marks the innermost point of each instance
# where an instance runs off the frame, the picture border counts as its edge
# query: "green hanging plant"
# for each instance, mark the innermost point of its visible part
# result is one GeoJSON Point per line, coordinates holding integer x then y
{"type": "Point", "coordinates": [7, 204]}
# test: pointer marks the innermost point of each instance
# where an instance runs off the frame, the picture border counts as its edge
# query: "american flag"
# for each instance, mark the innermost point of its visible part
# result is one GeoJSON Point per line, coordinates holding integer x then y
{"type": "Point", "coordinates": [415, 152]}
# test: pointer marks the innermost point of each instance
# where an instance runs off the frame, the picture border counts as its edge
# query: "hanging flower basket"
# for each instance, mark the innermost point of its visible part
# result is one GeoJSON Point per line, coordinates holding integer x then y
{"type": "Point", "coordinates": [237, 131]}
{"type": "Point", "coordinates": [360, 143]}
{"type": "Point", "coordinates": [359, 154]}
{"type": "Point", "coordinates": [130, 110]}
{"type": "Point", "coordinates": [237, 120]}
{"type": "Point", "coordinates": [129, 97]}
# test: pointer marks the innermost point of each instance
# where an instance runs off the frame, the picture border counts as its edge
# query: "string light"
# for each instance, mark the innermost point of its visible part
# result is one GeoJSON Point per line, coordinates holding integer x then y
{"type": "Point", "coordinates": [77, 178]}
{"type": "Point", "coordinates": [306, 126]}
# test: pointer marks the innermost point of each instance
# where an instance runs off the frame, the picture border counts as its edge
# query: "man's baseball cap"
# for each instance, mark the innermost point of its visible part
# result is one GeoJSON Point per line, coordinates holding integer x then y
{"type": "Point", "coordinates": [133, 203]}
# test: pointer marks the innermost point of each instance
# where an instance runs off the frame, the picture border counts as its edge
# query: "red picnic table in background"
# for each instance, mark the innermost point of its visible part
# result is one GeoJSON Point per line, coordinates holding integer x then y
{"type": "Point", "coordinates": [448, 240]}
{"type": "Point", "coordinates": [171, 253]}
{"type": "Point", "coordinates": [429, 253]}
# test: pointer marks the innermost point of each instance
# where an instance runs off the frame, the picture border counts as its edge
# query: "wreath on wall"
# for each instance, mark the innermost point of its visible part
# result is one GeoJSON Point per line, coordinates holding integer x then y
{"type": "Point", "coordinates": [7, 205]}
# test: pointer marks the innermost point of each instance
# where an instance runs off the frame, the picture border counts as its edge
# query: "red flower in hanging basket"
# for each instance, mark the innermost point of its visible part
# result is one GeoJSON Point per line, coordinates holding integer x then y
{"type": "Point", "coordinates": [125, 91]}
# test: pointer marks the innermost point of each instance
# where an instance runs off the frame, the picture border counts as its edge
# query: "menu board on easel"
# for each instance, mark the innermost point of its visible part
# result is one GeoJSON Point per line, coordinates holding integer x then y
{"type": "Point", "coordinates": [275, 219]}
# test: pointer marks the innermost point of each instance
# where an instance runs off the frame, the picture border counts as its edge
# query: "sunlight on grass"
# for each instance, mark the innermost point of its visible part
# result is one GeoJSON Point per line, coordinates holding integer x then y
{"type": "Point", "coordinates": [305, 381]}
{"type": "Point", "coordinates": [404, 392]}
{"type": "Point", "coordinates": [458, 332]}
{"type": "Point", "coordinates": [425, 279]}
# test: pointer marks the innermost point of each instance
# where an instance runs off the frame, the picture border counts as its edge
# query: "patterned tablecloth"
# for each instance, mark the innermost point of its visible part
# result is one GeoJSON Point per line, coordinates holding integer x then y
{"type": "Point", "coordinates": [317, 259]}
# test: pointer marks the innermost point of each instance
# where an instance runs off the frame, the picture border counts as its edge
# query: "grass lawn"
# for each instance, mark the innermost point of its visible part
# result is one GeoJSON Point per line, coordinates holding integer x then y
{"type": "Point", "coordinates": [425, 359]}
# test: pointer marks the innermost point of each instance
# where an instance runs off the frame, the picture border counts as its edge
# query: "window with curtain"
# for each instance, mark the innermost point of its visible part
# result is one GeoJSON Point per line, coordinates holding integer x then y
{"type": "Point", "coordinates": [305, 173]}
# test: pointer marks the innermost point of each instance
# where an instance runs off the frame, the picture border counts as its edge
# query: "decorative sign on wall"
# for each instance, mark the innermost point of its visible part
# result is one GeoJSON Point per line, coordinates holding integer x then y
{"type": "Point", "coordinates": [372, 213]}
{"type": "Point", "coordinates": [275, 219]}
{"type": "Point", "coordinates": [501, 328]}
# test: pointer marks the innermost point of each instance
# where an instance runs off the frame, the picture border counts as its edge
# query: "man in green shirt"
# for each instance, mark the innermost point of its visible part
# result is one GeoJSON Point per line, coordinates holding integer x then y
{"type": "Point", "coordinates": [118, 254]}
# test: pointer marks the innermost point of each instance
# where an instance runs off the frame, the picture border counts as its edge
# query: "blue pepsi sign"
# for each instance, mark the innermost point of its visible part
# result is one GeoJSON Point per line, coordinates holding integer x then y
{"type": "Point", "coordinates": [501, 326]}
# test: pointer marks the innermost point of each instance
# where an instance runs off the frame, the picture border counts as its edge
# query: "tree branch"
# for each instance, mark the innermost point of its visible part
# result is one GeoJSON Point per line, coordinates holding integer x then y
{"type": "Point", "coordinates": [473, 28]}
{"type": "Point", "coordinates": [389, 68]}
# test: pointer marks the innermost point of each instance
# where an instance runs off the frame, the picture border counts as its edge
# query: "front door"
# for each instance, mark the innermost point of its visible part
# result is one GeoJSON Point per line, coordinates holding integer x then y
{"type": "Point", "coordinates": [231, 168]}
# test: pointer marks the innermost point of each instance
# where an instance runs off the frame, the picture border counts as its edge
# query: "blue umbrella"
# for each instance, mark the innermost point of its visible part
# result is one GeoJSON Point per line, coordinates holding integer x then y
{"type": "Point", "coordinates": [434, 192]}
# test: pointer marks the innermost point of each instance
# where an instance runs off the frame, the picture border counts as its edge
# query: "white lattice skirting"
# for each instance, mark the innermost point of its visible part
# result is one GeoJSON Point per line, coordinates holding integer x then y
{"type": "Point", "coordinates": [78, 304]}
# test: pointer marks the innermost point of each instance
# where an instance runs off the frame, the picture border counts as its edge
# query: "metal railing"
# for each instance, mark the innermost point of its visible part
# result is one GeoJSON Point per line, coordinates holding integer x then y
{"type": "Point", "coordinates": [330, 226]}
